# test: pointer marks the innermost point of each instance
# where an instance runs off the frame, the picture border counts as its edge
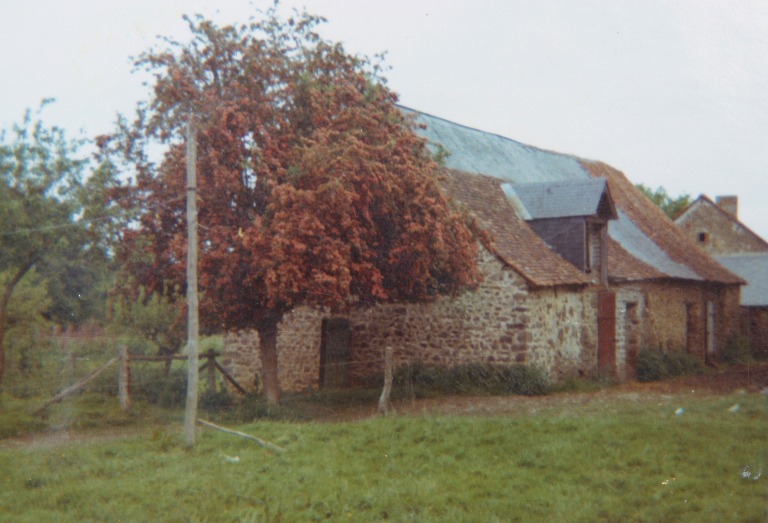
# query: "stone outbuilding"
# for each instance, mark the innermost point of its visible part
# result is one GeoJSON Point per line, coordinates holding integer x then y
{"type": "Point", "coordinates": [716, 228]}
{"type": "Point", "coordinates": [581, 273]}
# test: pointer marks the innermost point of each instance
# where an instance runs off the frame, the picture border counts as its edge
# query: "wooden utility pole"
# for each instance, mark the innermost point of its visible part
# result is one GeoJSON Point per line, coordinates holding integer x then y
{"type": "Point", "coordinates": [124, 378]}
{"type": "Point", "coordinates": [190, 413]}
{"type": "Point", "coordinates": [384, 401]}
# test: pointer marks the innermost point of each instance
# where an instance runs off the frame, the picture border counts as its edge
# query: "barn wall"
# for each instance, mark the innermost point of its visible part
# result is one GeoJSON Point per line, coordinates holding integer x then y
{"type": "Point", "coordinates": [563, 332]}
{"type": "Point", "coordinates": [488, 325]}
{"type": "Point", "coordinates": [669, 316]}
{"type": "Point", "coordinates": [721, 235]}
{"type": "Point", "coordinates": [502, 322]}
{"type": "Point", "coordinates": [505, 321]}
{"type": "Point", "coordinates": [754, 327]}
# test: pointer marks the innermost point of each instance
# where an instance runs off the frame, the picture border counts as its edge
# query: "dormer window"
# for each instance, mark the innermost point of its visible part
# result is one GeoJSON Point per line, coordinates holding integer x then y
{"type": "Point", "coordinates": [703, 237]}
{"type": "Point", "coordinates": [571, 217]}
{"type": "Point", "coordinates": [594, 249]}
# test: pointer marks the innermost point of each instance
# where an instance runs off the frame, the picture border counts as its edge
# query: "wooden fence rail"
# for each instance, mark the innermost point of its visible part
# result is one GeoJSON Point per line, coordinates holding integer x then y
{"type": "Point", "coordinates": [124, 376]}
{"type": "Point", "coordinates": [124, 359]}
{"type": "Point", "coordinates": [76, 387]}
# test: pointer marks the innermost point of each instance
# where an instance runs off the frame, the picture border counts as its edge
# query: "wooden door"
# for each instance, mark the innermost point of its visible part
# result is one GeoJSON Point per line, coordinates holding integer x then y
{"type": "Point", "coordinates": [334, 353]}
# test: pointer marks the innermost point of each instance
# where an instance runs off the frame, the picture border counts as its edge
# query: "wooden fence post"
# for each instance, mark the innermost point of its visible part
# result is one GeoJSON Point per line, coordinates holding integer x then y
{"type": "Point", "coordinates": [384, 402]}
{"type": "Point", "coordinates": [124, 379]}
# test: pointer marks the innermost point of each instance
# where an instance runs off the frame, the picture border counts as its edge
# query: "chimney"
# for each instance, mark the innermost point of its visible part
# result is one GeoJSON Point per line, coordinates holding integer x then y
{"type": "Point", "coordinates": [729, 204]}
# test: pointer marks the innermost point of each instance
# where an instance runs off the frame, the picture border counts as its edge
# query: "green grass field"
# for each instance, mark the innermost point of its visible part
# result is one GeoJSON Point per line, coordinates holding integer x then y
{"type": "Point", "coordinates": [639, 462]}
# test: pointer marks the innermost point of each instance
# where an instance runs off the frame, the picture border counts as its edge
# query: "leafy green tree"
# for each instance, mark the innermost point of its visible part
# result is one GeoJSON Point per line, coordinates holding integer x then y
{"type": "Point", "coordinates": [47, 222]}
{"type": "Point", "coordinates": [148, 321]}
{"type": "Point", "coordinates": [313, 187]}
{"type": "Point", "coordinates": [672, 206]}
{"type": "Point", "coordinates": [25, 317]}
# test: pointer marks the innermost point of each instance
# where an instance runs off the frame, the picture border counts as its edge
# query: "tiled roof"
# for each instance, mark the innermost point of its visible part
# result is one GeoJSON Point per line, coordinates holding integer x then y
{"type": "Point", "coordinates": [647, 218]}
{"type": "Point", "coordinates": [513, 240]}
{"type": "Point", "coordinates": [753, 267]}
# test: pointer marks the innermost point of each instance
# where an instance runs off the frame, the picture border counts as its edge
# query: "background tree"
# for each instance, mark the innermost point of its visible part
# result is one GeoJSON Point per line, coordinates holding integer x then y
{"type": "Point", "coordinates": [148, 322]}
{"type": "Point", "coordinates": [671, 206]}
{"type": "Point", "coordinates": [45, 225]}
{"type": "Point", "coordinates": [25, 317]}
{"type": "Point", "coordinates": [313, 188]}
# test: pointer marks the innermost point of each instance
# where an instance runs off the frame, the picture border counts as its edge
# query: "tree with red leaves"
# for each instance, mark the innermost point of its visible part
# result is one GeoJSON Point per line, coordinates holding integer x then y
{"type": "Point", "coordinates": [313, 187]}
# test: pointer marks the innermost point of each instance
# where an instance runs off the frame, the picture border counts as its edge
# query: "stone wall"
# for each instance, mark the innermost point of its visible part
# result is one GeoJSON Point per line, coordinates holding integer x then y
{"type": "Point", "coordinates": [563, 331]}
{"type": "Point", "coordinates": [298, 345]}
{"type": "Point", "coordinates": [665, 316]}
{"type": "Point", "coordinates": [673, 316]}
{"type": "Point", "coordinates": [505, 321]}
{"type": "Point", "coordinates": [754, 327]}
{"type": "Point", "coordinates": [489, 325]}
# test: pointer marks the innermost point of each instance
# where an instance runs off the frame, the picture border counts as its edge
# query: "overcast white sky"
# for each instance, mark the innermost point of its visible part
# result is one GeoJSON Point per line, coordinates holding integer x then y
{"type": "Point", "coordinates": [673, 93]}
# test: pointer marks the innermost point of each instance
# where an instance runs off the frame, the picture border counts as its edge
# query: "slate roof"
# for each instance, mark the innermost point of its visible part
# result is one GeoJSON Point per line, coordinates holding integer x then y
{"type": "Point", "coordinates": [560, 199]}
{"type": "Point", "coordinates": [474, 151]}
{"type": "Point", "coordinates": [643, 243]}
{"type": "Point", "coordinates": [753, 267]}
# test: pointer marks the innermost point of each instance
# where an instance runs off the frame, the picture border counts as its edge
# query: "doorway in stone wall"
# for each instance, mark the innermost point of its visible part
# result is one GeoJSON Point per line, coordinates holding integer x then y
{"type": "Point", "coordinates": [334, 353]}
{"type": "Point", "coordinates": [690, 330]}
{"type": "Point", "coordinates": [710, 333]}
{"type": "Point", "coordinates": [631, 338]}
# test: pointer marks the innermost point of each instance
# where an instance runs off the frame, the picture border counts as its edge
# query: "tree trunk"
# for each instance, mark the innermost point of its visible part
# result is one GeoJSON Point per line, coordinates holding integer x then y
{"type": "Point", "coordinates": [5, 299]}
{"type": "Point", "coordinates": [268, 352]}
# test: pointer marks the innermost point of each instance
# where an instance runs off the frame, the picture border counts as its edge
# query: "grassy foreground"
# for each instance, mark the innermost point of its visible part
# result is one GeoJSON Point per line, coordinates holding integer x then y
{"type": "Point", "coordinates": [639, 463]}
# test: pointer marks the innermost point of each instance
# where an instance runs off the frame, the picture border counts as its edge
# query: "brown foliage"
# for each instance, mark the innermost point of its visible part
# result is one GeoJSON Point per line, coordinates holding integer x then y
{"type": "Point", "coordinates": [313, 188]}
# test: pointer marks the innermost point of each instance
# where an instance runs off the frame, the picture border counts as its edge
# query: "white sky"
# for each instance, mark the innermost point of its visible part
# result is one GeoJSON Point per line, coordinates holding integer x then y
{"type": "Point", "coordinates": [673, 93]}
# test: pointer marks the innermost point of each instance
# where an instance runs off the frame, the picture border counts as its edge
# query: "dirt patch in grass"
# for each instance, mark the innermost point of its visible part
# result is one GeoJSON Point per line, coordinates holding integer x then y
{"type": "Point", "coordinates": [723, 381]}
{"type": "Point", "coordinates": [63, 438]}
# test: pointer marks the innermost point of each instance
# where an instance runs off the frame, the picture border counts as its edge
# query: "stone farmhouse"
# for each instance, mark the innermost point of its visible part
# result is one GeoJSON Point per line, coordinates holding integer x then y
{"type": "Point", "coordinates": [716, 228]}
{"type": "Point", "coordinates": [582, 272]}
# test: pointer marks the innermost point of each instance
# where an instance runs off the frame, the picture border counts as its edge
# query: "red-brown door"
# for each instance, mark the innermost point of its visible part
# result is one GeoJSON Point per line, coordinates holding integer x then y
{"type": "Point", "coordinates": [606, 332]}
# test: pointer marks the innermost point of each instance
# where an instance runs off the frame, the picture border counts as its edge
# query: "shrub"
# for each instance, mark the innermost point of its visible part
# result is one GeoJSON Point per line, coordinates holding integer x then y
{"type": "Point", "coordinates": [525, 380]}
{"type": "Point", "coordinates": [418, 380]}
{"type": "Point", "coordinates": [215, 401]}
{"type": "Point", "coordinates": [654, 365]}
{"type": "Point", "coordinates": [680, 363]}
{"type": "Point", "coordinates": [152, 384]}
{"type": "Point", "coordinates": [650, 366]}
{"type": "Point", "coordinates": [254, 407]}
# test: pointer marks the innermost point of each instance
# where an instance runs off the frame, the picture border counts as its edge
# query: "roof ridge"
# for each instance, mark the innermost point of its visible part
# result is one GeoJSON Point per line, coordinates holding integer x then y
{"type": "Point", "coordinates": [489, 133]}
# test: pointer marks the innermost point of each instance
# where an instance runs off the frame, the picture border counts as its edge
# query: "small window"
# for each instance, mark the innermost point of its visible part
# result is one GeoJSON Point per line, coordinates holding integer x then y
{"type": "Point", "coordinates": [703, 237]}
